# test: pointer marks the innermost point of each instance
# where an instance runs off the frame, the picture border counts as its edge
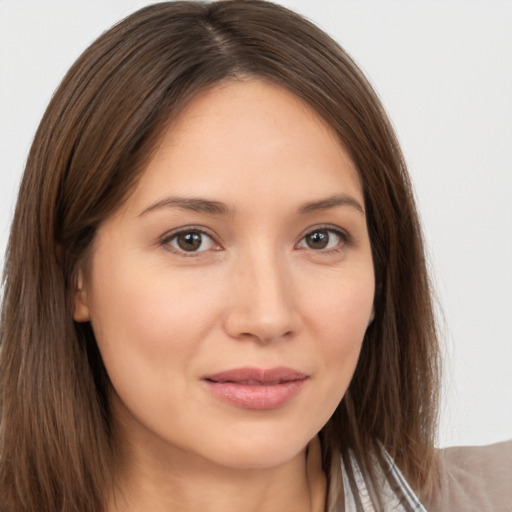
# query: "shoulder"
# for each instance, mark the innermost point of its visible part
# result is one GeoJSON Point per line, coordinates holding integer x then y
{"type": "Point", "coordinates": [474, 478]}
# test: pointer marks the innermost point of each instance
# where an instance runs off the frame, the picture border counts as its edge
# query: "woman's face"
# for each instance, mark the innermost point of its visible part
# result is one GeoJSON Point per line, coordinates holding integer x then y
{"type": "Point", "coordinates": [230, 294]}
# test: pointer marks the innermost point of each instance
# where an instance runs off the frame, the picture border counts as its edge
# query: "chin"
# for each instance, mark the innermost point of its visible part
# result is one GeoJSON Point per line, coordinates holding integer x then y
{"type": "Point", "coordinates": [262, 453]}
{"type": "Point", "coordinates": [259, 461]}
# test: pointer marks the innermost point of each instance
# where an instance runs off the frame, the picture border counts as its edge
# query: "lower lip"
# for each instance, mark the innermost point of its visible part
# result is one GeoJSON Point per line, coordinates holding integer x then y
{"type": "Point", "coordinates": [257, 397]}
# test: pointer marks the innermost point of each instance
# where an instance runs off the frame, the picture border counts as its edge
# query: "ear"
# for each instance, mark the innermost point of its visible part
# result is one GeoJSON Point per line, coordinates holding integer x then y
{"type": "Point", "coordinates": [81, 311]}
{"type": "Point", "coordinates": [372, 316]}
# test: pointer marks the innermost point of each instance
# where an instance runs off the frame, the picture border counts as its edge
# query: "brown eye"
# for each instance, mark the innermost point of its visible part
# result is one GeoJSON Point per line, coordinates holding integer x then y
{"type": "Point", "coordinates": [317, 239]}
{"type": "Point", "coordinates": [191, 241]}
{"type": "Point", "coordinates": [320, 239]}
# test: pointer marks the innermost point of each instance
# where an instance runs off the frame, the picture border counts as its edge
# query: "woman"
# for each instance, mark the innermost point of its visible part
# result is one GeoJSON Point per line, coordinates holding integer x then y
{"type": "Point", "coordinates": [215, 292]}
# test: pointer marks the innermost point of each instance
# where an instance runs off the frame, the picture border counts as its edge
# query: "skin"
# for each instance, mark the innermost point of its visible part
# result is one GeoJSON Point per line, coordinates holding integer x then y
{"type": "Point", "coordinates": [255, 293]}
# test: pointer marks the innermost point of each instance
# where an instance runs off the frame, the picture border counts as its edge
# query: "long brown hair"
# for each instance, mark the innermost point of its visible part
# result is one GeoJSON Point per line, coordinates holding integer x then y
{"type": "Point", "coordinates": [97, 133]}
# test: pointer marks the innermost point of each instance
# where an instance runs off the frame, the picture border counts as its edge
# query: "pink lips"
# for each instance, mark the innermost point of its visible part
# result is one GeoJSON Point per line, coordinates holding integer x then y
{"type": "Point", "coordinates": [255, 388]}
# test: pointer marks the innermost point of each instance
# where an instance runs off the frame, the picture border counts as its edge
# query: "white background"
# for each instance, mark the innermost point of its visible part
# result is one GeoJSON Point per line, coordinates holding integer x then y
{"type": "Point", "coordinates": [444, 72]}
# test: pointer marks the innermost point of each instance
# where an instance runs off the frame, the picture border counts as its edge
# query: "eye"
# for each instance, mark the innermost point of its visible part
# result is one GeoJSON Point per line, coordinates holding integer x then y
{"type": "Point", "coordinates": [191, 241]}
{"type": "Point", "coordinates": [323, 239]}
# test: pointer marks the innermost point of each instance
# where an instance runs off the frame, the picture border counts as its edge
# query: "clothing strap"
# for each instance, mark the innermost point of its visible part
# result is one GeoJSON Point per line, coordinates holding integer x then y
{"type": "Point", "coordinates": [394, 492]}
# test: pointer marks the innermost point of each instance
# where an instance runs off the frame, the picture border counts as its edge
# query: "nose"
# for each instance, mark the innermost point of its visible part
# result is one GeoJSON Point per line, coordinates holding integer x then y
{"type": "Point", "coordinates": [262, 305]}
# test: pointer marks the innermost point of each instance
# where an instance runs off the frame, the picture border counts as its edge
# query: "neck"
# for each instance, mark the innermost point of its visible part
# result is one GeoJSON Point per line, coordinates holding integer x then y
{"type": "Point", "coordinates": [199, 485]}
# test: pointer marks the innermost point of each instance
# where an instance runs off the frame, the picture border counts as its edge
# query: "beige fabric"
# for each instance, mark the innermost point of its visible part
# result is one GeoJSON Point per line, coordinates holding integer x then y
{"type": "Point", "coordinates": [475, 478]}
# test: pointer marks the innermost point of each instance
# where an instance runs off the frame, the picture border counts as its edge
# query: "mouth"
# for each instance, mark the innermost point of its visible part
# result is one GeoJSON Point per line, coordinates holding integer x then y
{"type": "Point", "coordinates": [255, 388]}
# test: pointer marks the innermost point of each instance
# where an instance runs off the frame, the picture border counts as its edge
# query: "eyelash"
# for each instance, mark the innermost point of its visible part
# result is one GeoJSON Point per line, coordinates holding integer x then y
{"type": "Point", "coordinates": [345, 240]}
{"type": "Point", "coordinates": [166, 241]}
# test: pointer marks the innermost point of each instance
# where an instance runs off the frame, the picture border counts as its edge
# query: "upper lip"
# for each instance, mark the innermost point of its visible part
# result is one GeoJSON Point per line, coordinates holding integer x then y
{"type": "Point", "coordinates": [252, 375]}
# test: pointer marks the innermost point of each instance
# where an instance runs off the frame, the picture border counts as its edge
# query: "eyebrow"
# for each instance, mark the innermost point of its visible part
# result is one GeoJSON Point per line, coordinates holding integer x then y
{"type": "Point", "coordinates": [195, 204]}
{"type": "Point", "coordinates": [200, 205]}
{"type": "Point", "coordinates": [331, 202]}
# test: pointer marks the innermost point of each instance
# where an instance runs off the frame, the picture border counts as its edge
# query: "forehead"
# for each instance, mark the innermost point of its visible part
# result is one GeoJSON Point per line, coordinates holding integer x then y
{"type": "Point", "coordinates": [247, 137]}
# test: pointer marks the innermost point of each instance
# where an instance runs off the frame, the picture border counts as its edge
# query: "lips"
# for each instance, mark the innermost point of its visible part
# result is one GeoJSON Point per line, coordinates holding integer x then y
{"type": "Point", "coordinates": [256, 388]}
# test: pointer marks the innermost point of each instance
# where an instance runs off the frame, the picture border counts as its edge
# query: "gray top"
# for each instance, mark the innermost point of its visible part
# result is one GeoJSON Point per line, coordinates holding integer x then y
{"type": "Point", "coordinates": [472, 479]}
{"type": "Point", "coordinates": [475, 479]}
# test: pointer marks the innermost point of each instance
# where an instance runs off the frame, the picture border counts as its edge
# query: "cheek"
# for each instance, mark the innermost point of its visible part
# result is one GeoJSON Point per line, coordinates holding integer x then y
{"type": "Point", "coordinates": [150, 329]}
{"type": "Point", "coordinates": [145, 321]}
{"type": "Point", "coordinates": [342, 307]}
{"type": "Point", "coordinates": [339, 317]}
